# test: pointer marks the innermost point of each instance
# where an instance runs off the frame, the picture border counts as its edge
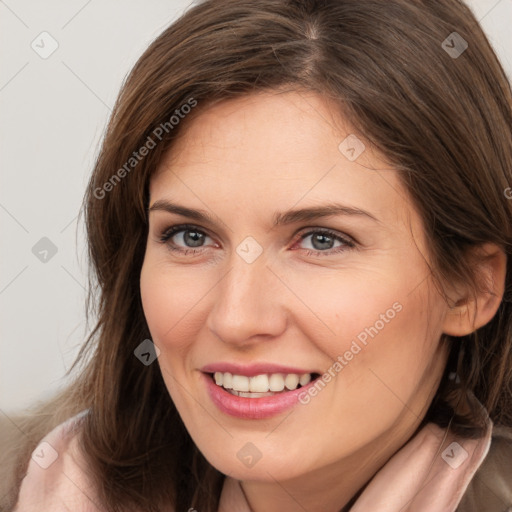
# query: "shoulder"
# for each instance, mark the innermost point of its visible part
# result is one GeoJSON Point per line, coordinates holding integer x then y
{"type": "Point", "coordinates": [491, 487]}
{"type": "Point", "coordinates": [57, 477]}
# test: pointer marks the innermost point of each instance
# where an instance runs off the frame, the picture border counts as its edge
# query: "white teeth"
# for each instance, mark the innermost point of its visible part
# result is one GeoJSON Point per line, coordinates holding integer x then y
{"type": "Point", "coordinates": [304, 379]}
{"type": "Point", "coordinates": [260, 385]}
{"type": "Point", "coordinates": [276, 382]}
{"type": "Point", "coordinates": [228, 381]}
{"type": "Point", "coordinates": [240, 383]}
{"type": "Point", "coordinates": [291, 381]}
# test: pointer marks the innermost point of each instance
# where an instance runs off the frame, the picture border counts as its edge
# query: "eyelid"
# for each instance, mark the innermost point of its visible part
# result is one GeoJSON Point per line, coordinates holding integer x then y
{"type": "Point", "coordinates": [304, 232]}
{"type": "Point", "coordinates": [170, 231]}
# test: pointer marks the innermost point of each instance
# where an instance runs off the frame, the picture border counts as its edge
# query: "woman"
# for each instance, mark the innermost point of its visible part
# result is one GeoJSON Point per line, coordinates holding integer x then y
{"type": "Point", "coordinates": [300, 227]}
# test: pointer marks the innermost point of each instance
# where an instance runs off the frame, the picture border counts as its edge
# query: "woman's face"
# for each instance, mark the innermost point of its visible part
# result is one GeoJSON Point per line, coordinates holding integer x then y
{"type": "Point", "coordinates": [278, 250]}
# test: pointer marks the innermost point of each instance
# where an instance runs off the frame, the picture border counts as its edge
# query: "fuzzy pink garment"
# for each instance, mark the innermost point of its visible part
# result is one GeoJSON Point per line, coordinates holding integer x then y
{"type": "Point", "coordinates": [429, 474]}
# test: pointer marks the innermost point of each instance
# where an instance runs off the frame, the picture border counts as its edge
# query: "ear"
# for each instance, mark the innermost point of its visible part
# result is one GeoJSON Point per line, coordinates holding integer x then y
{"type": "Point", "coordinates": [472, 311]}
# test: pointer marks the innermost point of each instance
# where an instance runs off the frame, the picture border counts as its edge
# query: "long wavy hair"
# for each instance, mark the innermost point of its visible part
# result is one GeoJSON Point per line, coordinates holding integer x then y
{"type": "Point", "coordinates": [439, 112]}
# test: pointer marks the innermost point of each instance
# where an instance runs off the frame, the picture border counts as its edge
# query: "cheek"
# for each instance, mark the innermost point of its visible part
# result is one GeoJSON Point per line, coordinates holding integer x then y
{"type": "Point", "coordinates": [381, 340]}
{"type": "Point", "coordinates": [171, 304]}
{"type": "Point", "coordinates": [378, 312]}
{"type": "Point", "coordinates": [348, 313]}
{"type": "Point", "coordinates": [168, 300]}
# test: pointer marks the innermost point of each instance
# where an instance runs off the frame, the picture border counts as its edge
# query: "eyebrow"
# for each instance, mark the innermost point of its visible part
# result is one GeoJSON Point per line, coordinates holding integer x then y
{"type": "Point", "coordinates": [279, 218]}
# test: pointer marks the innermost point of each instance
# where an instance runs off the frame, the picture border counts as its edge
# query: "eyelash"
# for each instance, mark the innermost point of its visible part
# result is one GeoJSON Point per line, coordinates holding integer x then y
{"type": "Point", "coordinates": [167, 234]}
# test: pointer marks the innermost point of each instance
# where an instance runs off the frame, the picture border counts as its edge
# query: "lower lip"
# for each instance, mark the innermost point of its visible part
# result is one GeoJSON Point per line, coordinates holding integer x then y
{"type": "Point", "coordinates": [252, 408]}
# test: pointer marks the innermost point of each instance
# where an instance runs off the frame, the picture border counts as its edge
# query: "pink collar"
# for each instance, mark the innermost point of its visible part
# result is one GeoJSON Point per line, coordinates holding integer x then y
{"type": "Point", "coordinates": [429, 474]}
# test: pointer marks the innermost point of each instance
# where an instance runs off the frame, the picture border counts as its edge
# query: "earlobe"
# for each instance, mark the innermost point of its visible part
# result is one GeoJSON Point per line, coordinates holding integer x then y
{"type": "Point", "coordinates": [473, 310]}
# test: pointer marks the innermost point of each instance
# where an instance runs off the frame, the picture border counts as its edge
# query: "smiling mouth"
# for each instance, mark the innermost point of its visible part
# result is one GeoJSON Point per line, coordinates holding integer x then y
{"type": "Point", "coordinates": [261, 385]}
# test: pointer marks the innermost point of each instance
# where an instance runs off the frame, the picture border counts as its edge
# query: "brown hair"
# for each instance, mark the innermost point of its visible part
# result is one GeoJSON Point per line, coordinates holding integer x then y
{"type": "Point", "coordinates": [444, 123]}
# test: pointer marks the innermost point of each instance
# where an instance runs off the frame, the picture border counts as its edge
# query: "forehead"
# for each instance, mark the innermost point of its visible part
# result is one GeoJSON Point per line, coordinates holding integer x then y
{"type": "Point", "coordinates": [273, 151]}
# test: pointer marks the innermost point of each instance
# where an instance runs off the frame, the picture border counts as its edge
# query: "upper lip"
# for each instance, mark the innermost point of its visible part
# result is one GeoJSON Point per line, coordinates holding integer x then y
{"type": "Point", "coordinates": [252, 369]}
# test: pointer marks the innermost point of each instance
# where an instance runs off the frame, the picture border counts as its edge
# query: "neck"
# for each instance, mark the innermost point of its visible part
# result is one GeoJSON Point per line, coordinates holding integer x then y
{"type": "Point", "coordinates": [315, 494]}
{"type": "Point", "coordinates": [278, 498]}
{"type": "Point", "coordinates": [330, 489]}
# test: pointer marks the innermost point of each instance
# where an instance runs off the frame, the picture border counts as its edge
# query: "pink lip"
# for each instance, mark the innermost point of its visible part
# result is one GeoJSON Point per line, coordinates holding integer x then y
{"type": "Point", "coordinates": [252, 408]}
{"type": "Point", "coordinates": [253, 369]}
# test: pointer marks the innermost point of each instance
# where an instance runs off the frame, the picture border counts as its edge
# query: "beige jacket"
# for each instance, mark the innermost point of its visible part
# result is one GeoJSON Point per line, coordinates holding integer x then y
{"type": "Point", "coordinates": [491, 488]}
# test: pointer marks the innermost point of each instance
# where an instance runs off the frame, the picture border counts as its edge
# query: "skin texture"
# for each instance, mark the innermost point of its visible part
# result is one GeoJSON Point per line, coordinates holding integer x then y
{"type": "Point", "coordinates": [243, 160]}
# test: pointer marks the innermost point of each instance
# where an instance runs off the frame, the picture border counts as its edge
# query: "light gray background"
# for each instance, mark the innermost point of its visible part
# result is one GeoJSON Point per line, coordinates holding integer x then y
{"type": "Point", "coordinates": [53, 113]}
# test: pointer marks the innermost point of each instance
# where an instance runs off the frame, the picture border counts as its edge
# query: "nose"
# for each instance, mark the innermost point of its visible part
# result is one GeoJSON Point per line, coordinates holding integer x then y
{"type": "Point", "coordinates": [248, 304]}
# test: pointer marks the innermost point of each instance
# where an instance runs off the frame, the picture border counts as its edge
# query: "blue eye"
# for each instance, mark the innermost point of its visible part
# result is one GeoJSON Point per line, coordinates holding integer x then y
{"type": "Point", "coordinates": [325, 242]}
{"type": "Point", "coordinates": [188, 239]}
{"type": "Point", "coordinates": [184, 238]}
